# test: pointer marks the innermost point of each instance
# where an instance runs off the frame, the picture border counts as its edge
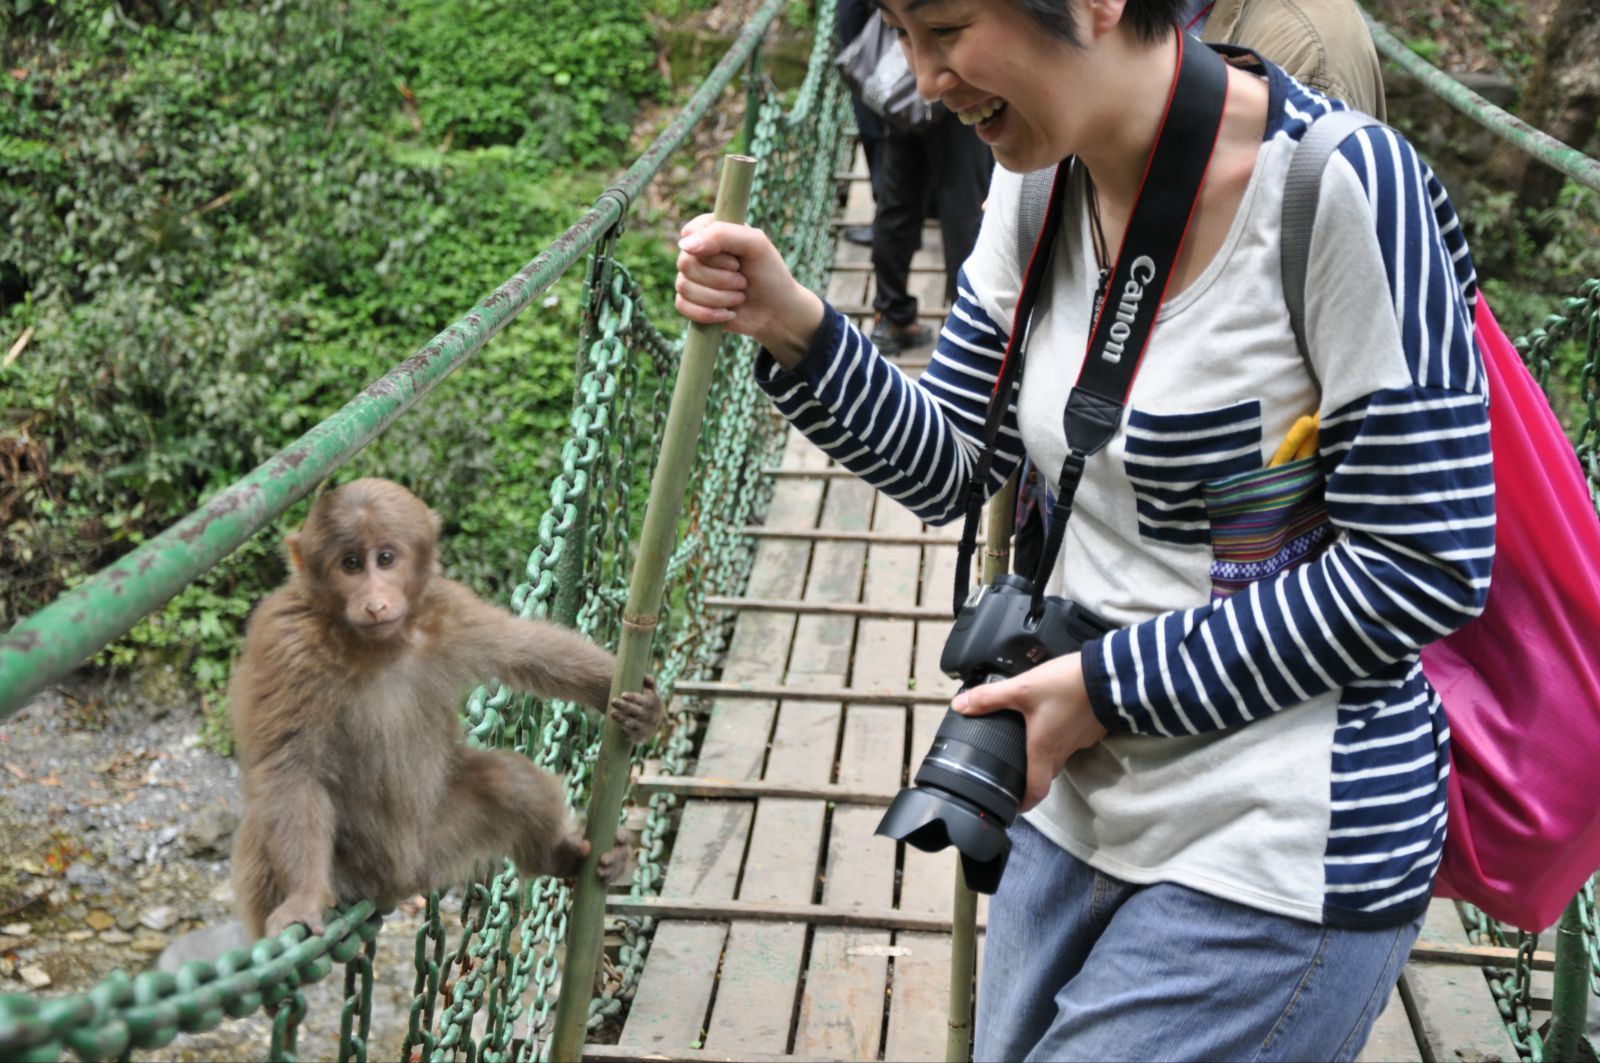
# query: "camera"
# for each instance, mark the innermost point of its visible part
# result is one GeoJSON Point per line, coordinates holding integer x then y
{"type": "Point", "coordinates": [968, 787]}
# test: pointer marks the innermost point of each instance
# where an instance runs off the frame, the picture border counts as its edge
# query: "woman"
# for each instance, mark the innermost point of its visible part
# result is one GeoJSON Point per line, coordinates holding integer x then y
{"type": "Point", "coordinates": [1236, 800]}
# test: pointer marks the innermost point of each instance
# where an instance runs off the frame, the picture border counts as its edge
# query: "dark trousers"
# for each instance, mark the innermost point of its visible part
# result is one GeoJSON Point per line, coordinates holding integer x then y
{"type": "Point", "coordinates": [943, 171]}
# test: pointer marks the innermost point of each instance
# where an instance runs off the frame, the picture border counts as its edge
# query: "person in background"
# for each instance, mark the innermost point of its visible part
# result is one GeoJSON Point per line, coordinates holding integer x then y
{"type": "Point", "coordinates": [1324, 44]}
{"type": "Point", "coordinates": [871, 129]}
{"type": "Point", "coordinates": [942, 171]}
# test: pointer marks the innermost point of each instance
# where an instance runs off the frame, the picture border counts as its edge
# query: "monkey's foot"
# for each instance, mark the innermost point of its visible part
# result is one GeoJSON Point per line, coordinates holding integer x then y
{"type": "Point", "coordinates": [638, 713]}
{"type": "Point", "coordinates": [613, 866]}
{"type": "Point", "coordinates": [304, 910]}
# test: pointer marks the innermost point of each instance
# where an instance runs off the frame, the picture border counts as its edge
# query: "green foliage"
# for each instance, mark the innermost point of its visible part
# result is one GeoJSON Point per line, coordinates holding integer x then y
{"type": "Point", "coordinates": [226, 220]}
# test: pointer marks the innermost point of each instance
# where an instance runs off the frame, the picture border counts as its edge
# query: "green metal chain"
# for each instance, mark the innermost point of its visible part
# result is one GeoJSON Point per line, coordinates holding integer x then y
{"type": "Point", "coordinates": [149, 1011]}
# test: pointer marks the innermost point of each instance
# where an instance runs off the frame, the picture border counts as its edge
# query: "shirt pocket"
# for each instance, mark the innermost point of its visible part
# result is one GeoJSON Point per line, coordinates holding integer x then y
{"type": "Point", "coordinates": [1170, 457]}
{"type": "Point", "coordinates": [1265, 522]}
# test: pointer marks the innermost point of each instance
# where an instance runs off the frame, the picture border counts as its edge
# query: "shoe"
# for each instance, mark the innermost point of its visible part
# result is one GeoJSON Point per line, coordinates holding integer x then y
{"type": "Point", "coordinates": [858, 234]}
{"type": "Point", "coordinates": [890, 338]}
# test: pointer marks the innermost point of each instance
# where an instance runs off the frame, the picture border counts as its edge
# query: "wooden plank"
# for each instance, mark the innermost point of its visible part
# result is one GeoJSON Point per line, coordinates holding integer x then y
{"type": "Point", "coordinates": [708, 850]}
{"type": "Point", "coordinates": [1479, 955]}
{"type": "Point", "coordinates": [663, 1016]}
{"type": "Point", "coordinates": [1450, 1006]}
{"type": "Point", "coordinates": [848, 286]}
{"type": "Point", "coordinates": [834, 610]}
{"type": "Point", "coordinates": [793, 694]}
{"type": "Point", "coordinates": [850, 537]}
{"type": "Point", "coordinates": [921, 998]}
{"type": "Point", "coordinates": [1391, 1040]}
{"type": "Point", "coordinates": [858, 210]}
{"type": "Point", "coordinates": [755, 994]}
{"type": "Point", "coordinates": [800, 453]}
{"type": "Point", "coordinates": [870, 538]}
{"type": "Point", "coordinates": [632, 1052]}
{"type": "Point", "coordinates": [747, 789]}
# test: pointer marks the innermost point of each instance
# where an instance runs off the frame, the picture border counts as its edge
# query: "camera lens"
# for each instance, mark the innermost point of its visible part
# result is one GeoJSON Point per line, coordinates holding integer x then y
{"type": "Point", "coordinates": [980, 758]}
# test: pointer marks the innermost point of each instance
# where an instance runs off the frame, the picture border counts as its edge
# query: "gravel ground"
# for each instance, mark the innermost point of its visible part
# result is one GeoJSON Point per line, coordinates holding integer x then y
{"type": "Point", "coordinates": [116, 823]}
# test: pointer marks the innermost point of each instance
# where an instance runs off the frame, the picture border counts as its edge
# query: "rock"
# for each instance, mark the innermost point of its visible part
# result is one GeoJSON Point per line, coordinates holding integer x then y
{"type": "Point", "coordinates": [210, 832]}
{"type": "Point", "coordinates": [206, 943]}
{"type": "Point", "coordinates": [127, 920]}
{"type": "Point", "coordinates": [81, 874]}
{"type": "Point", "coordinates": [116, 937]}
{"type": "Point", "coordinates": [101, 920]}
{"type": "Point", "coordinates": [8, 967]}
{"type": "Point", "coordinates": [75, 912]}
{"type": "Point", "coordinates": [159, 918]}
{"type": "Point", "coordinates": [149, 941]}
{"type": "Point", "coordinates": [35, 977]}
{"type": "Point", "coordinates": [223, 894]}
{"type": "Point", "coordinates": [17, 930]}
{"type": "Point", "coordinates": [76, 936]}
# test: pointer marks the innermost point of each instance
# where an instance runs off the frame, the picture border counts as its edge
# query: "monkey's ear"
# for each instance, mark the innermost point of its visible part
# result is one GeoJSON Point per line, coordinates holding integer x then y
{"type": "Point", "coordinates": [291, 546]}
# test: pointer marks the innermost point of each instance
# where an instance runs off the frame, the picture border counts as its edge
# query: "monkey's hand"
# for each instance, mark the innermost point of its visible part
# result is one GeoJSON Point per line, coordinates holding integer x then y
{"type": "Point", "coordinates": [567, 858]}
{"type": "Point", "coordinates": [306, 910]}
{"type": "Point", "coordinates": [638, 713]}
{"type": "Point", "coordinates": [613, 866]}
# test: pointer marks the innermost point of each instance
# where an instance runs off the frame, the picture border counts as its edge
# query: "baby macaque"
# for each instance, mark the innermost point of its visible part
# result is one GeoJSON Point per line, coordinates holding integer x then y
{"type": "Point", "coordinates": [356, 780]}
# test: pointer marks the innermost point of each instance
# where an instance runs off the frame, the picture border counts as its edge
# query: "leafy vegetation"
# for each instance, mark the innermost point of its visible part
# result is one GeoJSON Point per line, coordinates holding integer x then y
{"type": "Point", "coordinates": [225, 220]}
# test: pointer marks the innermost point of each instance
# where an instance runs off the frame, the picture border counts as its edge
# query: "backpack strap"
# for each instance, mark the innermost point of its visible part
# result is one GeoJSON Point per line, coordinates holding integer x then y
{"type": "Point", "coordinates": [1302, 189]}
{"type": "Point", "coordinates": [1031, 206]}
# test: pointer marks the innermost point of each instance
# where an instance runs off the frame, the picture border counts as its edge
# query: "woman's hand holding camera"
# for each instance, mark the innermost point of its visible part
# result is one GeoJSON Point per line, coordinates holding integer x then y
{"type": "Point", "coordinates": [1054, 703]}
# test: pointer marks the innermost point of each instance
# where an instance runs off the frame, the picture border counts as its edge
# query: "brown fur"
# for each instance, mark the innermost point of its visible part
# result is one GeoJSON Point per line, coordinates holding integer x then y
{"type": "Point", "coordinates": [356, 781]}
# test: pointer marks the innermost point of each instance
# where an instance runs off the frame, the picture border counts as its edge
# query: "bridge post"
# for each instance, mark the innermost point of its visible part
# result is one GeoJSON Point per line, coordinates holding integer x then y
{"type": "Point", "coordinates": [964, 915]}
{"type": "Point", "coordinates": [665, 507]}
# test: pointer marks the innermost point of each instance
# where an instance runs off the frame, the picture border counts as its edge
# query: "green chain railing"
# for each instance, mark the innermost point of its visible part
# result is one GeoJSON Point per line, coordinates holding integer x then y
{"type": "Point", "coordinates": [487, 989]}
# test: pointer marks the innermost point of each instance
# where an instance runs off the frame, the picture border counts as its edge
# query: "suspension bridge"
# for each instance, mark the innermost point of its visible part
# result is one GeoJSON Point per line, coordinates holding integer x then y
{"type": "Point", "coordinates": [798, 644]}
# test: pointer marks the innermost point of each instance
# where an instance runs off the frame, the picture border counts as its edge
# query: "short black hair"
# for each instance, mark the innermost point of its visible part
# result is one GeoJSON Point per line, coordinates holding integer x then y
{"type": "Point", "coordinates": [1151, 20]}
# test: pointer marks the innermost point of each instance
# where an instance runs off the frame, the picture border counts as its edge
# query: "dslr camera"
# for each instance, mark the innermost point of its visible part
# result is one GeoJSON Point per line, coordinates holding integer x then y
{"type": "Point", "coordinates": [969, 784]}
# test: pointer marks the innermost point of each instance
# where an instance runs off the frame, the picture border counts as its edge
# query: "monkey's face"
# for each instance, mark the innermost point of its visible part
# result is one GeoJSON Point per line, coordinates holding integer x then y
{"type": "Point", "coordinates": [375, 584]}
{"type": "Point", "coordinates": [366, 555]}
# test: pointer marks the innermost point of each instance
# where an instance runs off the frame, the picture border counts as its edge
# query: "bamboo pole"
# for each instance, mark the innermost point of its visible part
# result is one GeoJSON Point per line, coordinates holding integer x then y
{"type": "Point", "coordinates": [684, 419]}
{"type": "Point", "coordinates": [1569, 1000]}
{"type": "Point", "coordinates": [964, 914]}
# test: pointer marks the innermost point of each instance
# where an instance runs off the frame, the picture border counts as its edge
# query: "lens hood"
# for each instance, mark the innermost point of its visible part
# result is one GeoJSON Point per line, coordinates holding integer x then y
{"type": "Point", "coordinates": [931, 821]}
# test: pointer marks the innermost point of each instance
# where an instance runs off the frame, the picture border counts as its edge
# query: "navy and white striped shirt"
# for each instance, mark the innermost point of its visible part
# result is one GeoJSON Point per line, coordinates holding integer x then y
{"type": "Point", "coordinates": [1244, 591]}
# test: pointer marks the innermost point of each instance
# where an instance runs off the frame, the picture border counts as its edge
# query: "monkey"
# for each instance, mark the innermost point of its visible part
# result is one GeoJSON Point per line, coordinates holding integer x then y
{"type": "Point", "coordinates": [356, 780]}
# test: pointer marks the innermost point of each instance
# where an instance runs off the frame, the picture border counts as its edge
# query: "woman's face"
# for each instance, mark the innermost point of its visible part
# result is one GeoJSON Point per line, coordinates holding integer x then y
{"type": "Point", "coordinates": [999, 71]}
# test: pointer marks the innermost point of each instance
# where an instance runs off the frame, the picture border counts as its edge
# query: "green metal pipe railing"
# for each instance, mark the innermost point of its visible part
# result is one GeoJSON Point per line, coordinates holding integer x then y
{"type": "Point", "coordinates": [1541, 145]}
{"type": "Point", "coordinates": [47, 645]}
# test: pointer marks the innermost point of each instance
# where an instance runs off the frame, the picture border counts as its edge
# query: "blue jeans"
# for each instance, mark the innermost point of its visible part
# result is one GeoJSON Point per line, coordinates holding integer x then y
{"type": "Point", "coordinates": [1080, 965]}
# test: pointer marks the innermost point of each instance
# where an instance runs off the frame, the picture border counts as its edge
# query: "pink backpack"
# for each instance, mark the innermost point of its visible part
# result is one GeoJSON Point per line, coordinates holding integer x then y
{"type": "Point", "coordinates": [1521, 683]}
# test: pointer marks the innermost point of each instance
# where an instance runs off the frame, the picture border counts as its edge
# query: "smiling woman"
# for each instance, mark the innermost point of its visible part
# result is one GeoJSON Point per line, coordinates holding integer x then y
{"type": "Point", "coordinates": [1235, 798]}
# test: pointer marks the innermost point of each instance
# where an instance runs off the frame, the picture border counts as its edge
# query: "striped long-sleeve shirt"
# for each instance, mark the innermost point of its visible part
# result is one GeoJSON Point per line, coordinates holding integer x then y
{"type": "Point", "coordinates": [1272, 739]}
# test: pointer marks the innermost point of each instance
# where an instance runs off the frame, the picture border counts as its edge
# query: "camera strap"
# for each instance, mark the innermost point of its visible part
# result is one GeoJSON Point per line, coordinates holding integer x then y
{"type": "Point", "coordinates": [1170, 185]}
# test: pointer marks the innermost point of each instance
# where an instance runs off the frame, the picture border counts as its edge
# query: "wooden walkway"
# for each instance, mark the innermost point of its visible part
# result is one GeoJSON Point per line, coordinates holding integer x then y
{"type": "Point", "coordinates": [788, 930]}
